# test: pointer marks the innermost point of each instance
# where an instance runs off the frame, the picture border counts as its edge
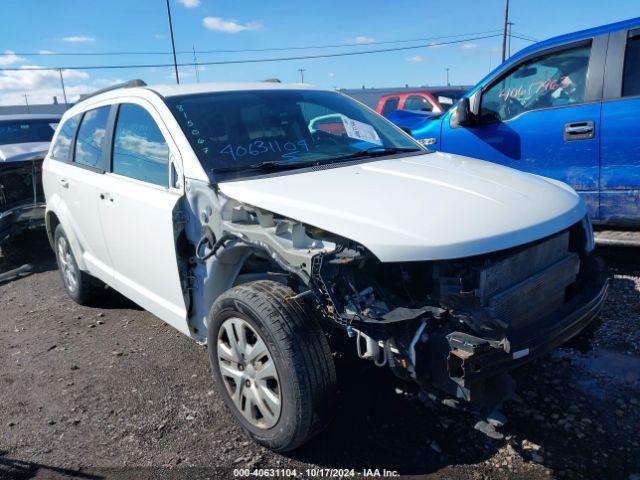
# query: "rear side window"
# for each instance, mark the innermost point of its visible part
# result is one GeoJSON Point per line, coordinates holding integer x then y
{"type": "Point", "coordinates": [417, 103]}
{"type": "Point", "coordinates": [91, 138]}
{"type": "Point", "coordinates": [62, 146]}
{"type": "Point", "coordinates": [391, 105]}
{"type": "Point", "coordinates": [631, 79]}
{"type": "Point", "coordinates": [139, 149]}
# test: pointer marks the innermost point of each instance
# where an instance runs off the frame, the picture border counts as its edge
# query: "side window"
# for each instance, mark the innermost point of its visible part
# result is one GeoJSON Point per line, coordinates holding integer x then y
{"type": "Point", "coordinates": [139, 149]}
{"type": "Point", "coordinates": [62, 147]}
{"type": "Point", "coordinates": [391, 105]}
{"type": "Point", "coordinates": [631, 78]}
{"type": "Point", "coordinates": [91, 138]}
{"type": "Point", "coordinates": [417, 103]}
{"type": "Point", "coordinates": [552, 80]}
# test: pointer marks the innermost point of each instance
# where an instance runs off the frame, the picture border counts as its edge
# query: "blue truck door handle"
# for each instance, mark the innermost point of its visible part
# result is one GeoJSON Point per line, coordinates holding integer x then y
{"type": "Point", "coordinates": [579, 131]}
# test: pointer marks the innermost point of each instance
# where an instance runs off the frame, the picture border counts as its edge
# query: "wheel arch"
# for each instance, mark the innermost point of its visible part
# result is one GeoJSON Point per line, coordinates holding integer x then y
{"type": "Point", "coordinates": [57, 214]}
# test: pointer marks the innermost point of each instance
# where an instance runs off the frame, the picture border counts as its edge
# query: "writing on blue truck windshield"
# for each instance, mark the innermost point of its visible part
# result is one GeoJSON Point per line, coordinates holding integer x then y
{"type": "Point", "coordinates": [239, 129]}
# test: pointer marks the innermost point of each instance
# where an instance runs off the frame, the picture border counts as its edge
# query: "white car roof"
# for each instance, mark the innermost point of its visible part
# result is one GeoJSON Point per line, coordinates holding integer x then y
{"type": "Point", "coordinates": [193, 88]}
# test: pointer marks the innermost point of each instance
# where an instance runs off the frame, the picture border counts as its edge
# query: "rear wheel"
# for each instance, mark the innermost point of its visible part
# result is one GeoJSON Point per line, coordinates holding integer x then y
{"type": "Point", "coordinates": [271, 363]}
{"type": "Point", "coordinates": [79, 285]}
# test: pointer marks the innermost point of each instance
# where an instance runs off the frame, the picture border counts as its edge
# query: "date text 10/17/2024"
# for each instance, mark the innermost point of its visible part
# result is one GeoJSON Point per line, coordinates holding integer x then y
{"type": "Point", "coordinates": [314, 473]}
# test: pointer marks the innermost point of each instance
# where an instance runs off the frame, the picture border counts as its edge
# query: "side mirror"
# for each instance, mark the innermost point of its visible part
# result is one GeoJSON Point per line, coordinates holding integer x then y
{"type": "Point", "coordinates": [464, 116]}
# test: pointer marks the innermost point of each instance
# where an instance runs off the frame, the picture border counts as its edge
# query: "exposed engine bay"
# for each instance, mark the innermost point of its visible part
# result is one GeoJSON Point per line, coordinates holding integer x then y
{"type": "Point", "coordinates": [21, 195]}
{"type": "Point", "coordinates": [455, 327]}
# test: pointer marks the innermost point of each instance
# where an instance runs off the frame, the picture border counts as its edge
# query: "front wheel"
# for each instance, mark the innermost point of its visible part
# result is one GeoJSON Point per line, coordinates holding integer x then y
{"type": "Point", "coordinates": [271, 363]}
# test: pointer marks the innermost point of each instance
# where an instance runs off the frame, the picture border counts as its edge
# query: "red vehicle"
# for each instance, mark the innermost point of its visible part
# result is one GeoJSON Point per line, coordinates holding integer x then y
{"type": "Point", "coordinates": [428, 100]}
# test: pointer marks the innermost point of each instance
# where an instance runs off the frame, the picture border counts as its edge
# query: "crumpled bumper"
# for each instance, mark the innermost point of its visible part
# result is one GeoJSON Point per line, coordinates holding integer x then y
{"type": "Point", "coordinates": [23, 217]}
{"type": "Point", "coordinates": [467, 366]}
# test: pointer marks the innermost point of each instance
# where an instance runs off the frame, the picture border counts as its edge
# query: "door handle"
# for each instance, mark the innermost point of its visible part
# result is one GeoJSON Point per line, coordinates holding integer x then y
{"type": "Point", "coordinates": [63, 182]}
{"type": "Point", "coordinates": [106, 196]}
{"type": "Point", "coordinates": [579, 130]}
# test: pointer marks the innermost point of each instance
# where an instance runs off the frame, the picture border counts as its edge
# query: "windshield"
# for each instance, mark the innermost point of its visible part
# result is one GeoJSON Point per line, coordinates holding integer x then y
{"type": "Point", "coordinates": [24, 131]}
{"type": "Point", "coordinates": [232, 132]}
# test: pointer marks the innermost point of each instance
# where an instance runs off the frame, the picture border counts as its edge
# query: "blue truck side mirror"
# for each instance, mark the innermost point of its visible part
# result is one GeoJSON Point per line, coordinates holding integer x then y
{"type": "Point", "coordinates": [464, 116]}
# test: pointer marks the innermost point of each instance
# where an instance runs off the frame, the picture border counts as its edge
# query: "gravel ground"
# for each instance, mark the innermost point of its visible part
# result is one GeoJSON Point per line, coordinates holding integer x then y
{"type": "Point", "coordinates": [111, 391]}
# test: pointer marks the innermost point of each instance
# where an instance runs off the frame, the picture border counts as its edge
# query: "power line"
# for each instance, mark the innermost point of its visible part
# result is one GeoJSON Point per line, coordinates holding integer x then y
{"type": "Point", "coordinates": [252, 60]}
{"type": "Point", "coordinates": [522, 36]}
{"type": "Point", "coordinates": [245, 50]}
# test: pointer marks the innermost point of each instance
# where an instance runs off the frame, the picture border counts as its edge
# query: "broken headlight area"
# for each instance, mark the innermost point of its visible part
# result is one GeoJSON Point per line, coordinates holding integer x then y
{"type": "Point", "coordinates": [21, 196]}
{"type": "Point", "coordinates": [457, 326]}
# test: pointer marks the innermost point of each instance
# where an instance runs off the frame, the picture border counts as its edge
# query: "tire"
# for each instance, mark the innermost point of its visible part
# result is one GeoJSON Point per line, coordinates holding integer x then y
{"type": "Point", "coordinates": [295, 343]}
{"type": "Point", "coordinates": [83, 290]}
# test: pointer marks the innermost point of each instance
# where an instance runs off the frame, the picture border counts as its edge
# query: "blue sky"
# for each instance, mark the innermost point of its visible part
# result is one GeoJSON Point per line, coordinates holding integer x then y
{"type": "Point", "coordinates": [90, 26]}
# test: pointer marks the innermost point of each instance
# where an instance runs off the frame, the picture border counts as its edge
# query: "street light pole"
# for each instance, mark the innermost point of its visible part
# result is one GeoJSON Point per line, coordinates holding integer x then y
{"type": "Point", "coordinates": [64, 92]}
{"type": "Point", "coordinates": [509, 42]}
{"type": "Point", "coordinates": [504, 32]}
{"type": "Point", "coordinates": [301, 70]}
{"type": "Point", "coordinates": [173, 46]}
{"type": "Point", "coordinates": [448, 84]}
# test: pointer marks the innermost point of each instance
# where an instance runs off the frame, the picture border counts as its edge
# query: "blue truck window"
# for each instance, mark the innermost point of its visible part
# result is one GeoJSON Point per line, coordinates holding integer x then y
{"type": "Point", "coordinates": [631, 79]}
{"type": "Point", "coordinates": [552, 80]}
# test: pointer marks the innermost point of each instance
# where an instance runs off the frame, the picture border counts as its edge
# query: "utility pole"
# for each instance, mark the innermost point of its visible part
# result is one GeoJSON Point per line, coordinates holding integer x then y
{"type": "Point", "coordinates": [26, 100]}
{"type": "Point", "coordinates": [301, 70]}
{"type": "Point", "coordinates": [509, 42]}
{"type": "Point", "coordinates": [64, 92]}
{"type": "Point", "coordinates": [173, 46]}
{"type": "Point", "coordinates": [504, 32]}
{"type": "Point", "coordinates": [448, 83]}
{"type": "Point", "coordinates": [195, 64]}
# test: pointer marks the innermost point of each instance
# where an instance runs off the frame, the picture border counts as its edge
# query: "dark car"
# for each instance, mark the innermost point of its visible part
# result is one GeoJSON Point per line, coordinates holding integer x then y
{"type": "Point", "coordinates": [24, 142]}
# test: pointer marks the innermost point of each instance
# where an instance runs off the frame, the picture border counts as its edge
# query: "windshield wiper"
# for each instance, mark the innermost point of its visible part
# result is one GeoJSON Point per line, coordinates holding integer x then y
{"type": "Point", "coordinates": [278, 165]}
{"type": "Point", "coordinates": [375, 151]}
{"type": "Point", "coordinates": [269, 166]}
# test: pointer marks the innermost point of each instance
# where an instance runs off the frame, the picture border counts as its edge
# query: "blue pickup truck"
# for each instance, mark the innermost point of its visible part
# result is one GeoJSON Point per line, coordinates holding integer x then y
{"type": "Point", "coordinates": [566, 108]}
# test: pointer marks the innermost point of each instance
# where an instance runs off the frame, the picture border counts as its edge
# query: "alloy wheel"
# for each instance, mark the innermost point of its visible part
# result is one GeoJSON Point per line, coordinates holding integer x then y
{"type": "Point", "coordinates": [249, 373]}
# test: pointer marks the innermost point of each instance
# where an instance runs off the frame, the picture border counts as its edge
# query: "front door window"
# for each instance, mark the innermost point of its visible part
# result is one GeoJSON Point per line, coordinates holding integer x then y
{"type": "Point", "coordinates": [552, 80]}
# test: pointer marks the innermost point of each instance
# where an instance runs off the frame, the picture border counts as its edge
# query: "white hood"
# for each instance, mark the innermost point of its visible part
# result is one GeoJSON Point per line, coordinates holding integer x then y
{"type": "Point", "coordinates": [429, 207]}
{"type": "Point", "coordinates": [17, 151]}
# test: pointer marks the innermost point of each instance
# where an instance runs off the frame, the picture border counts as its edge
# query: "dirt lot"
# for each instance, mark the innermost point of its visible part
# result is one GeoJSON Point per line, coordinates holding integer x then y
{"type": "Point", "coordinates": [111, 391]}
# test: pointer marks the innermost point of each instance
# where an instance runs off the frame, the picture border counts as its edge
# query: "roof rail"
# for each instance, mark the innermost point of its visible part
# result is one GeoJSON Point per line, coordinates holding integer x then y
{"type": "Point", "coordinates": [129, 84]}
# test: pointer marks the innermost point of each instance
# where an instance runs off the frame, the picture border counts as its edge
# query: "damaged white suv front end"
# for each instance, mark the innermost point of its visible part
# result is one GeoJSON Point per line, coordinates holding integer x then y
{"type": "Point", "coordinates": [292, 215]}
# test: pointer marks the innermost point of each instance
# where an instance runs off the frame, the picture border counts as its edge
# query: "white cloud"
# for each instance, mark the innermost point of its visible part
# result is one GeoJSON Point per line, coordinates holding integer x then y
{"type": "Point", "coordinates": [436, 45]}
{"type": "Point", "coordinates": [190, 3]}
{"type": "Point", "coordinates": [9, 58]}
{"type": "Point", "coordinates": [42, 85]}
{"type": "Point", "coordinates": [79, 39]}
{"type": "Point", "coordinates": [159, 36]}
{"type": "Point", "coordinates": [468, 46]}
{"type": "Point", "coordinates": [45, 52]}
{"type": "Point", "coordinates": [331, 74]}
{"type": "Point", "coordinates": [416, 59]}
{"type": "Point", "coordinates": [229, 26]}
{"type": "Point", "coordinates": [361, 39]}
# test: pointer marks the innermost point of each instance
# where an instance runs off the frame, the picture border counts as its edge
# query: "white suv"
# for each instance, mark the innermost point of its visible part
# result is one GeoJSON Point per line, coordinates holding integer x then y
{"type": "Point", "coordinates": [256, 218]}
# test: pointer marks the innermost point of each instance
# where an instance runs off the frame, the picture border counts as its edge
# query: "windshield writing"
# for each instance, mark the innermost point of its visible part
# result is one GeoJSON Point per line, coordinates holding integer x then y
{"type": "Point", "coordinates": [239, 130]}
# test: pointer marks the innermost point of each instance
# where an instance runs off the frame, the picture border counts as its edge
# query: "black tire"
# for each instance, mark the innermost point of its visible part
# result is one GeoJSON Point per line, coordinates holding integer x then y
{"type": "Point", "coordinates": [84, 291]}
{"type": "Point", "coordinates": [300, 353]}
